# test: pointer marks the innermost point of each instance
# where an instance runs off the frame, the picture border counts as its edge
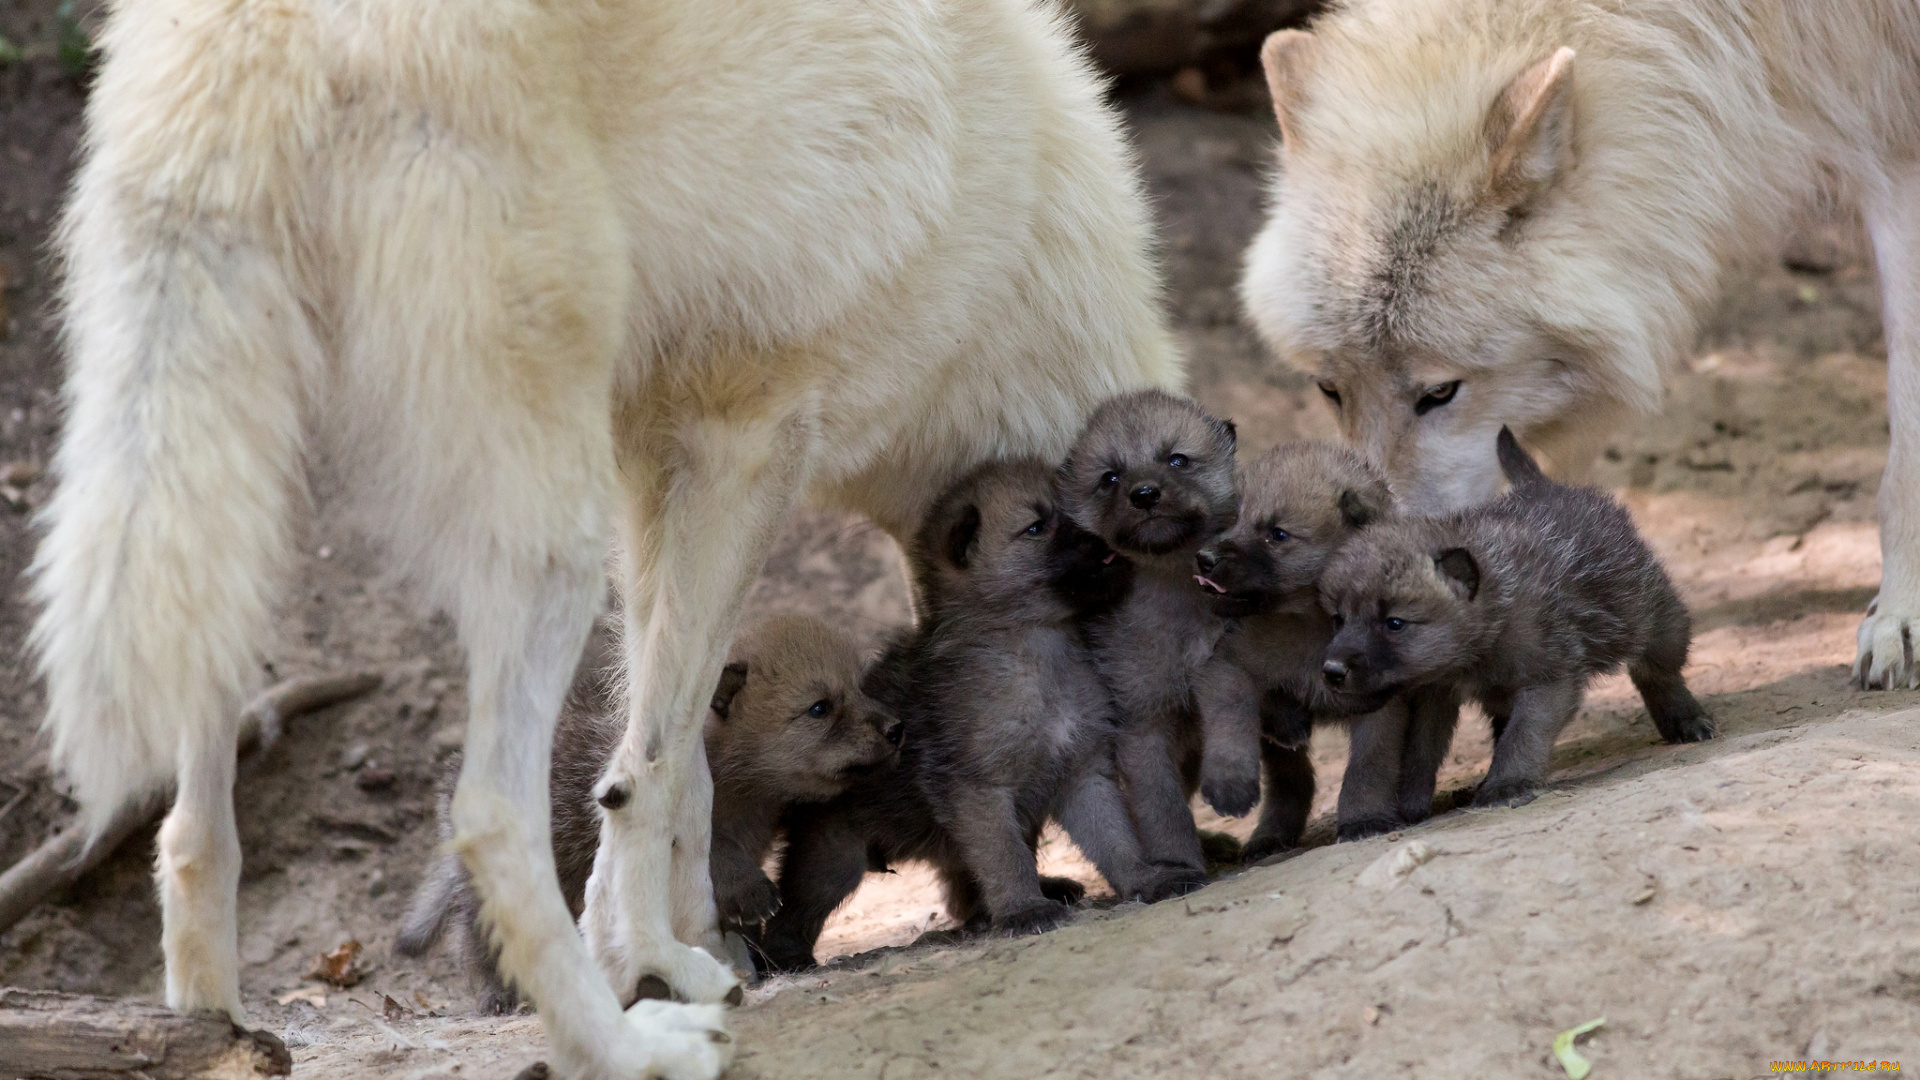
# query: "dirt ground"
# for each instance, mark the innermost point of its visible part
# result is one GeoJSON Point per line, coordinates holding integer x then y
{"type": "Point", "coordinates": [1721, 905]}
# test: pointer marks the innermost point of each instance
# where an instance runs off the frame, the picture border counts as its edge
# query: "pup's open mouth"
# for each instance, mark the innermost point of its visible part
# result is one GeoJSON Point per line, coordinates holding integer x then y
{"type": "Point", "coordinates": [1111, 555]}
{"type": "Point", "coordinates": [1208, 584]}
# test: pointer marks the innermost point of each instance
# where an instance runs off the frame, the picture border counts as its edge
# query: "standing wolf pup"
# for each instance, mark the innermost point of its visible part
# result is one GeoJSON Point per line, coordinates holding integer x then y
{"type": "Point", "coordinates": [1008, 724]}
{"type": "Point", "coordinates": [1518, 603]}
{"type": "Point", "coordinates": [1492, 212]}
{"type": "Point", "coordinates": [1262, 690]}
{"type": "Point", "coordinates": [531, 279]}
{"type": "Point", "coordinates": [1152, 475]}
{"type": "Point", "coordinates": [788, 724]}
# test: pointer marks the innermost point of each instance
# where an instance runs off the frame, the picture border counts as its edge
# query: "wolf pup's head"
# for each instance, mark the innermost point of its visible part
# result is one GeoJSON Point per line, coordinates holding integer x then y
{"type": "Point", "coordinates": [998, 541]}
{"type": "Point", "coordinates": [1299, 503]}
{"type": "Point", "coordinates": [1410, 609]}
{"type": "Point", "coordinates": [1152, 474]}
{"type": "Point", "coordinates": [789, 713]}
{"type": "Point", "coordinates": [1460, 238]}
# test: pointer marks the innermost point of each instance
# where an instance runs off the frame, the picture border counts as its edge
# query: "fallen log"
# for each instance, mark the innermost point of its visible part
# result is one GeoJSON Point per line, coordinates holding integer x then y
{"type": "Point", "coordinates": [63, 858]}
{"type": "Point", "coordinates": [49, 1036]}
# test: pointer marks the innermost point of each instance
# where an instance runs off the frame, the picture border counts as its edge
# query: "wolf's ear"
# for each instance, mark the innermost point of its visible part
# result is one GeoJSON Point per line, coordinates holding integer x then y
{"type": "Point", "coordinates": [1232, 432]}
{"type": "Point", "coordinates": [1287, 57]}
{"type": "Point", "coordinates": [1529, 130]}
{"type": "Point", "coordinates": [960, 538]}
{"type": "Point", "coordinates": [732, 678]}
{"type": "Point", "coordinates": [1356, 509]}
{"type": "Point", "coordinates": [1458, 566]}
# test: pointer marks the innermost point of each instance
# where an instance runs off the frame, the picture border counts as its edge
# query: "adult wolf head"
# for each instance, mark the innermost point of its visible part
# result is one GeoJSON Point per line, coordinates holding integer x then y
{"type": "Point", "coordinates": [1474, 227]}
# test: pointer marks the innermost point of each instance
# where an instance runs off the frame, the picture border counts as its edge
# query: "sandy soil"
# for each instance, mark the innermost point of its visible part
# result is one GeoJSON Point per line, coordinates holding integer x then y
{"type": "Point", "coordinates": [1722, 905]}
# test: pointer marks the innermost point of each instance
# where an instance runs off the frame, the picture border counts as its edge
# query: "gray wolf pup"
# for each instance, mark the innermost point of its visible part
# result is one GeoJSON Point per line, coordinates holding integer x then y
{"type": "Point", "coordinates": [541, 281]}
{"type": "Point", "coordinates": [1518, 604]}
{"type": "Point", "coordinates": [1153, 476]}
{"type": "Point", "coordinates": [1513, 212]}
{"type": "Point", "coordinates": [788, 724]}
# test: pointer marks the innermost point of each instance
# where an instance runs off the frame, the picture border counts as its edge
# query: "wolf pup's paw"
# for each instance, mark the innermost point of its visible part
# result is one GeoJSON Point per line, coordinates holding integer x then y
{"type": "Point", "coordinates": [1262, 846]}
{"type": "Point", "coordinates": [1511, 794]}
{"type": "Point", "coordinates": [1232, 793]}
{"type": "Point", "coordinates": [749, 905]}
{"type": "Point", "coordinates": [1062, 890]}
{"type": "Point", "coordinates": [1036, 919]}
{"type": "Point", "coordinates": [1365, 827]}
{"type": "Point", "coordinates": [1885, 657]}
{"type": "Point", "coordinates": [1171, 881]}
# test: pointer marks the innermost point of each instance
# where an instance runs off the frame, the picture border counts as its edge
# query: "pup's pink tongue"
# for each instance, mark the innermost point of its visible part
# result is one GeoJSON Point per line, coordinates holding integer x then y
{"type": "Point", "coordinates": [1111, 555]}
{"type": "Point", "coordinates": [1207, 583]}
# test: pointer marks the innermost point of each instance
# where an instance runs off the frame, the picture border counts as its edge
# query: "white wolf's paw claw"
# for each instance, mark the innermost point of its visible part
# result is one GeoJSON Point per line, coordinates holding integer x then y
{"type": "Point", "coordinates": [1885, 657]}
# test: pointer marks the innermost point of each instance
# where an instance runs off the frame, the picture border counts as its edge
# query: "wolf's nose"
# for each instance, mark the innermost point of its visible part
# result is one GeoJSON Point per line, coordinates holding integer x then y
{"type": "Point", "coordinates": [1207, 560]}
{"type": "Point", "coordinates": [895, 732]}
{"type": "Point", "coordinates": [1146, 496]}
{"type": "Point", "coordinates": [1335, 672]}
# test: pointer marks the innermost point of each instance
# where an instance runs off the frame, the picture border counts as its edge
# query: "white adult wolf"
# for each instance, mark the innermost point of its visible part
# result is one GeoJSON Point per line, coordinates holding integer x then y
{"type": "Point", "coordinates": [1511, 212]}
{"type": "Point", "coordinates": [538, 278]}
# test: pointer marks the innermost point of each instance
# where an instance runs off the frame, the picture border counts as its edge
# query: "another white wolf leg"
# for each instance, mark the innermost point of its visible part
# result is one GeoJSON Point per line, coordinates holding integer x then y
{"type": "Point", "coordinates": [1885, 658]}
{"type": "Point", "coordinates": [690, 887]}
{"type": "Point", "coordinates": [178, 470]}
{"type": "Point", "coordinates": [198, 872]}
{"type": "Point", "coordinates": [706, 495]}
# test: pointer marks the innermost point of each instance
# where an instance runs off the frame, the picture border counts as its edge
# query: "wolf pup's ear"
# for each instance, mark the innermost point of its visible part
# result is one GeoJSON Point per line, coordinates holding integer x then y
{"type": "Point", "coordinates": [732, 678]}
{"type": "Point", "coordinates": [960, 538]}
{"type": "Point", "coordinates": [1458, 566]}
{"type": "Point", "coordinates": [1231, 431]}
{"type": "Point", "coordinates": [1355, 510]}
{"type": "Point", "coordinates": [1529, 131]}
{"type": "Point", "coordinates": [1288, 56]}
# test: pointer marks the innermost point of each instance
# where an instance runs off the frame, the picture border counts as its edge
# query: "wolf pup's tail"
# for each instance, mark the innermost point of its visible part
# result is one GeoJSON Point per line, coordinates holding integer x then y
{"type": "Point", "coordinates": [428, 911]}
{"type": "Point", "coordinates": [1521, 471]}
{"type": "Point", "coordinates": [178, 473]}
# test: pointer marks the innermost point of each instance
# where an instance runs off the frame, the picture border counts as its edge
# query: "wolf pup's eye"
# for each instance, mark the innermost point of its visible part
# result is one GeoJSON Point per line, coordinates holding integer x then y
{"type": "Point", "coordinates": [1277, 534]}
{"type": "Point", "coordinates": [1178, 461]}
{"type": "Point", "coordinates": [1037, 527]}
{"type": "Point", "coordinates": [1109, 478]}
{"type": "Point", "coordinates": [1435, 397]}
{"type": "Point", "coordinates": [1332, 392]}
{"type": "Point", "coordinates": [820, 708]}
{"type": "Point", "coordinates": [1394, 626]}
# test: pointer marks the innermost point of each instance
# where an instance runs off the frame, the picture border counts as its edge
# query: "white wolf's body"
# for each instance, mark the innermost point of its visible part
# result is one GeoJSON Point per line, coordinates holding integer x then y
{"type": "Point", "coordinates": [1461, 199]}
{"type": "Point", "coordinates": [538, 277]}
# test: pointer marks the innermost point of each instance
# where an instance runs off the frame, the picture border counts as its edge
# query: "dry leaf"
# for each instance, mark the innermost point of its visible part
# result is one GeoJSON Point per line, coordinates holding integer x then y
{"type": "Point", "coordinates": [341, 967]}
{"type": "Point", "coordinates": [393, 1010]}
{"type": "Point", "coordinates": [315, 996]}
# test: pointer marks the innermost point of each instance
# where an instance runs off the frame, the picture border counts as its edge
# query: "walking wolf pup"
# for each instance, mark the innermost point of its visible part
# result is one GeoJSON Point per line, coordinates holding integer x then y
{"type": "Point", "coordinates": [534, 279]}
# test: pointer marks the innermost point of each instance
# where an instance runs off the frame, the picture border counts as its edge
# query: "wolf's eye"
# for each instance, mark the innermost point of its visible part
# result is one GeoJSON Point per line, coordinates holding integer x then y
{"type": "Point", "coordinates": [1109, 478]}
{"type": "Point", "coordinates": [1277, 534]}
{"type": "Point", "coordinates": [1435, 397]}
{"type": "Point", "coordinates": [1037, 527]}
{"type": "Point", "coordinates": [1394, 626]}
{"type": "Point", "coordinates": [1332, 392]}
{"type": "Point", "coordinates": [820, 708]}
{"type": "Point", "coordinates": [1178, 461]}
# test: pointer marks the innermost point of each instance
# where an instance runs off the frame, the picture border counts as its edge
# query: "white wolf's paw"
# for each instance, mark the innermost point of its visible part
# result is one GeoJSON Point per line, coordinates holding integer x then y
{"type": "Point", "coordinates": [658, 1039]}
{"type": "Point", "coordinates": [689, 973]}
{"type": "Point", "coordinates": [1885, 657]}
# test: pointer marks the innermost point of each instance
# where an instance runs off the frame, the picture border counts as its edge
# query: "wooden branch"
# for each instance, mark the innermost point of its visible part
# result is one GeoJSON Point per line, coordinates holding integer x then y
{"type": "Point", "coordinates": [49, 1036]}
{"type": "Point", "coordinates": [62, 859]}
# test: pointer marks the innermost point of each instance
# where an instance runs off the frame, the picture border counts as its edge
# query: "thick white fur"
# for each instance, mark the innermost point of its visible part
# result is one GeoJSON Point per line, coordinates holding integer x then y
{"type": "Point", "coordinates": [538, 279]}
{"type": "Point", "coordinates": [1696, 129]}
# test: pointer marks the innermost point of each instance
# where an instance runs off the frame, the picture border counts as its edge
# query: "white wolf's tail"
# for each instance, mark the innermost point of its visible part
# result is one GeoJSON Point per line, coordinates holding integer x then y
{"type": "Point", "coordinates": [177, 475]}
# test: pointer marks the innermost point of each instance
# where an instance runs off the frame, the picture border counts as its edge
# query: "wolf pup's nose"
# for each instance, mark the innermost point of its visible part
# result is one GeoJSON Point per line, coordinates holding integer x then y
{"type": "Point", "coordinates": [895, 732]}
{"type": "Point", "coordinates": [1146, 496]}
{"type": "Point", "coordinates": [1335, 672]}
{"type": "Point", "coordinates": [1207, 560]}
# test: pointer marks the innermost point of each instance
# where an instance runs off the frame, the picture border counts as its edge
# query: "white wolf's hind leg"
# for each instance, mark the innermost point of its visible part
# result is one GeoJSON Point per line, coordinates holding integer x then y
{"type": "Point", "coordinates": [198, 873]}
{"type": "Point", "coordinates": [1885, 659]}
{"type": "Point", "coordinates": [706, 494]}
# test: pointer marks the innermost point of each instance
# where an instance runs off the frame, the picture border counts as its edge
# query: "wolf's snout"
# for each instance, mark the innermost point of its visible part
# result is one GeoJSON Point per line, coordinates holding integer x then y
{"type": "Point", "coordinates": [1145, 497]}
{"type": "Point", "coordinates": [895, 732]}
{"type": "Point", "coordinates": [1206, 560]}
{"type": "Point", "coordinates": [1335, 672]}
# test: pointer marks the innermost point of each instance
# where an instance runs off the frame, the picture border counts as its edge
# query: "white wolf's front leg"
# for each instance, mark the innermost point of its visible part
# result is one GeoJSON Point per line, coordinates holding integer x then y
{"type": "Point", "coordinates": [1885, 659]}
{"type": "Point", "coordinates": [706, 495]}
